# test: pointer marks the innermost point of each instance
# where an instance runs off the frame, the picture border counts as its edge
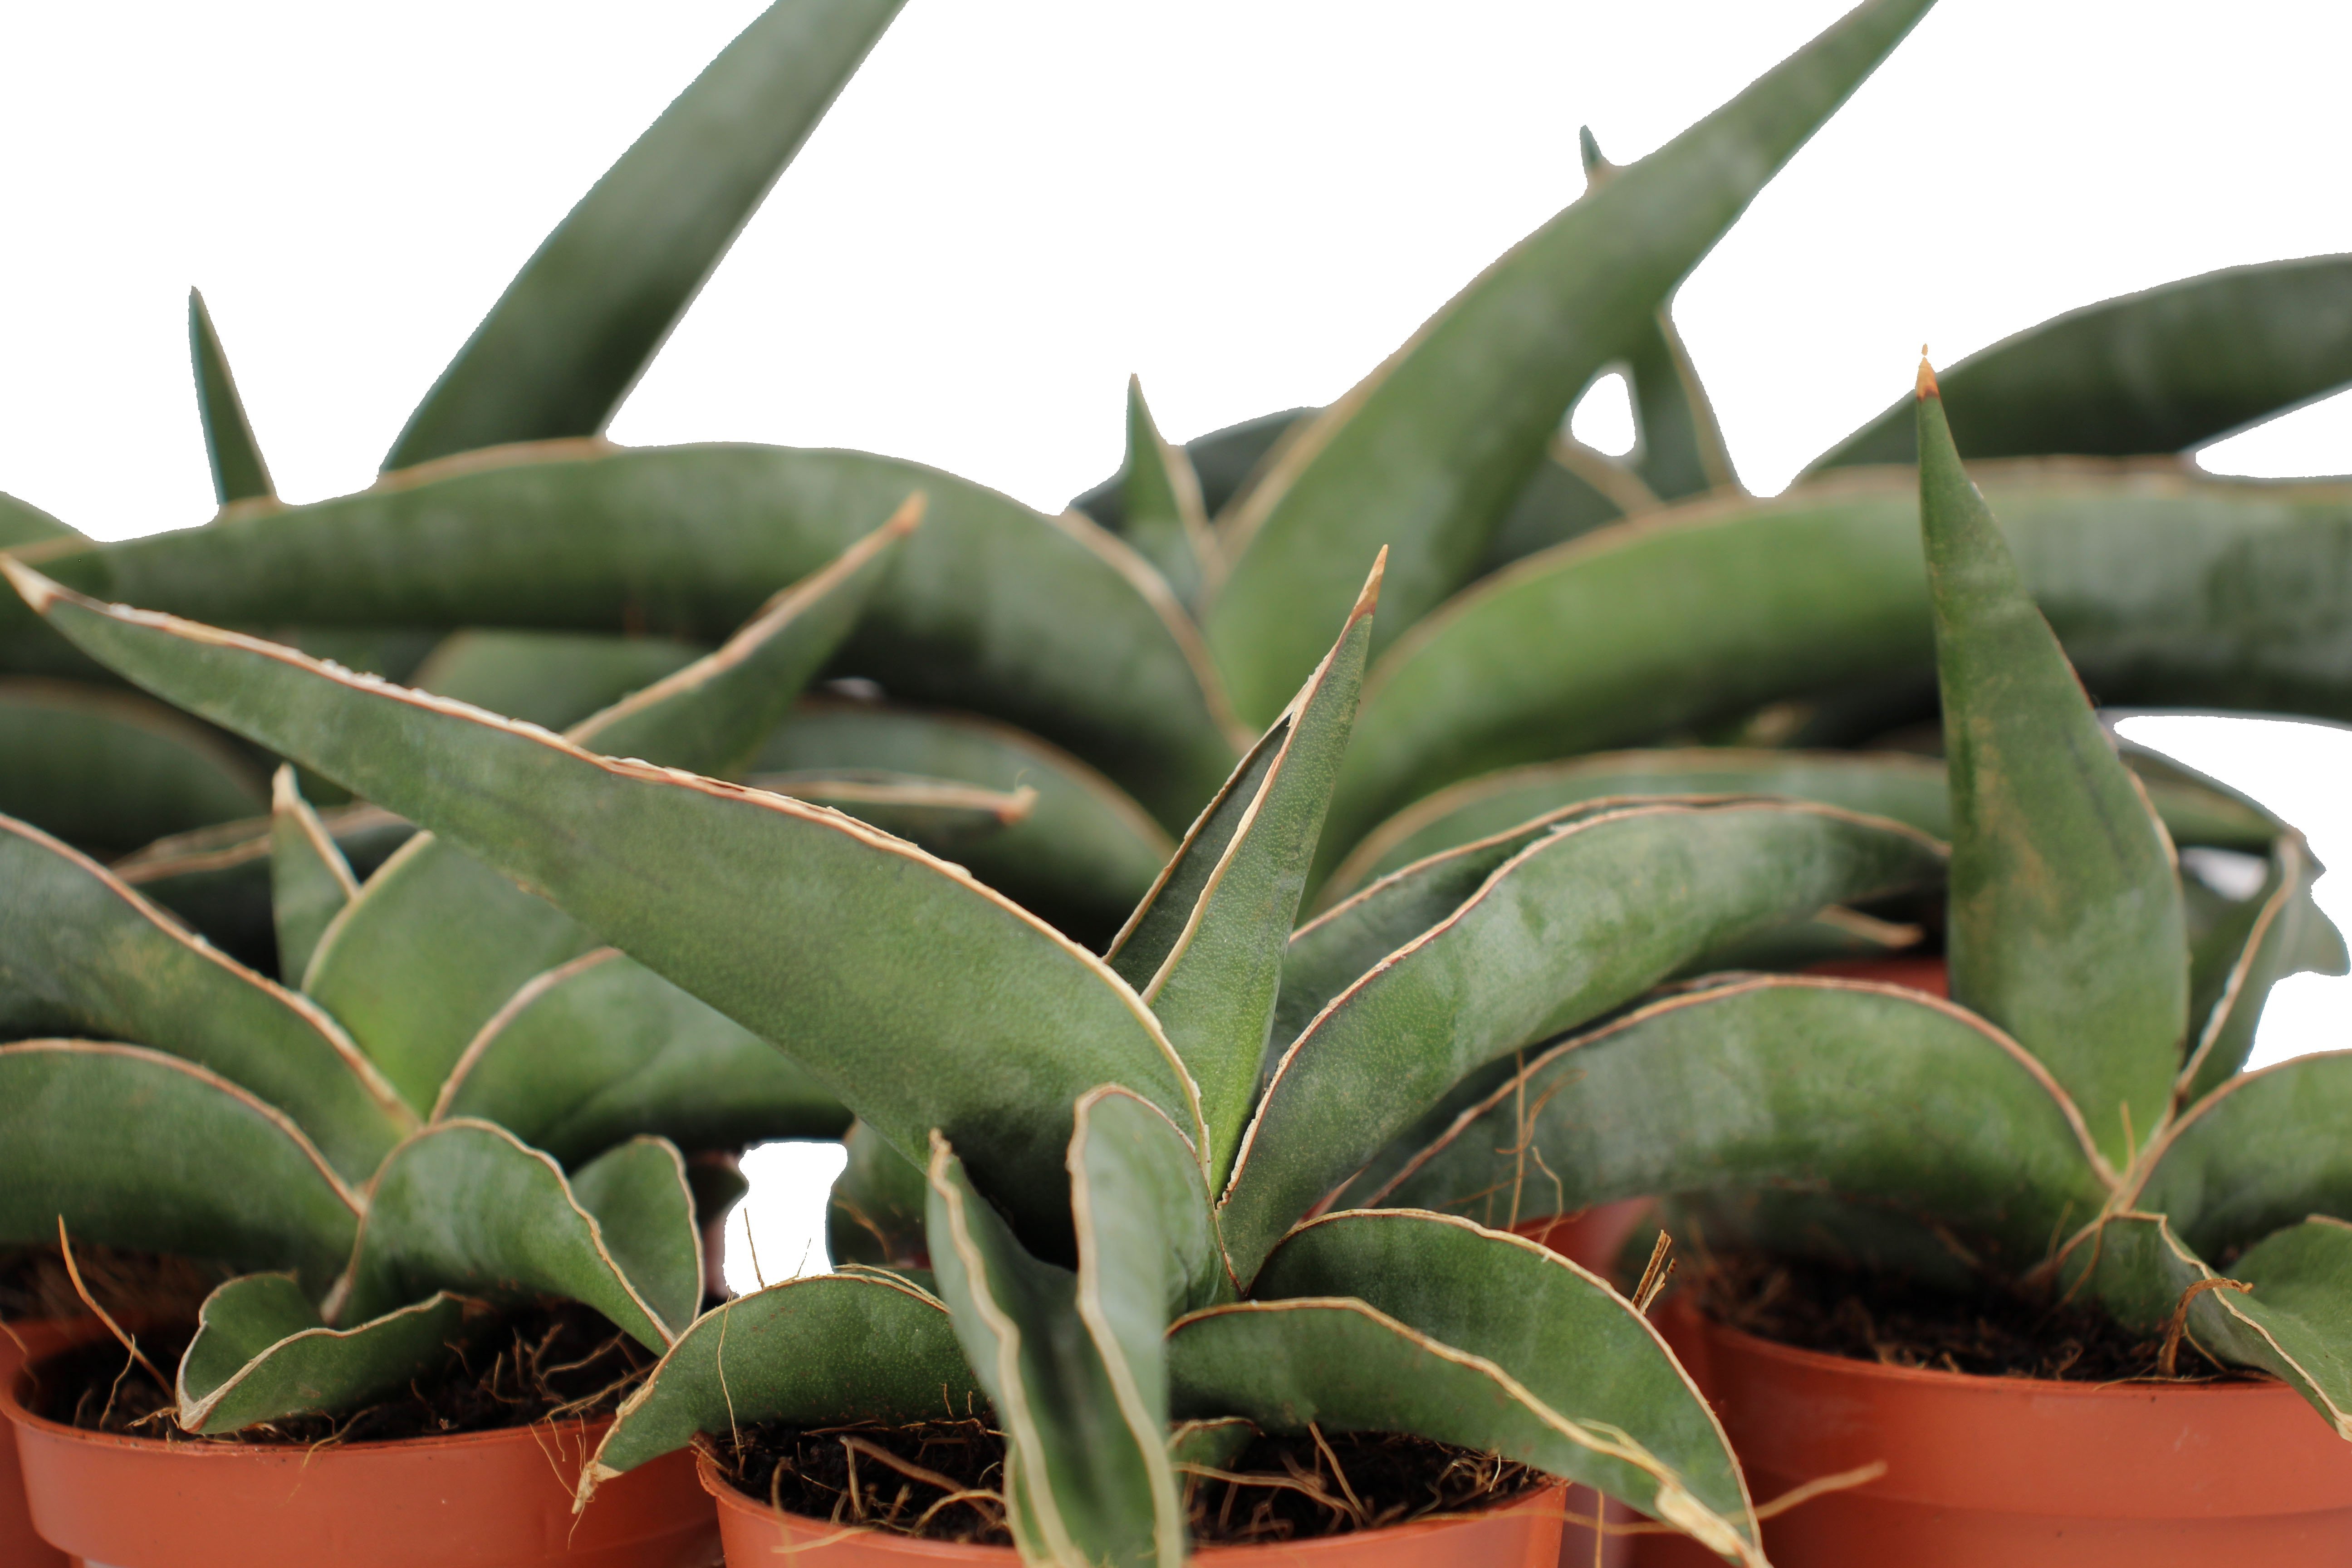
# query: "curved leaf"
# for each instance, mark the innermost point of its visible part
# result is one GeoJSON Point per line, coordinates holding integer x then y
{"type": "Point", "coordinates": [465, 1207]}
{"type": "Point", "coordinates": [1086, 1476]}
{"type": "Point", "coordinates": [1556, 1331]}
{"type": "Point", "coordinates": [2065, 925]}
{"type": "Point", "coordinates": [1583, 920]}
{"type": "Point", "coordinates": [1773, 1081]}
{"type": "Point", "coordinates": [310, 882]}
{"type": "Point", "coordinates": [645, 1209]}
{"type": "Point", "coordinates": [91, 956]}
{"type": "Point", "coordinates": [2163, 588]}
{"type": "Point", "coordinates": [942, 815]}
{"type": "Point", "coordinates": [1083, 856]}
{"type": "Point", "coordinates": [22, 522]}
{"type": "Point", "coordinates": [1045, 622]}
{"type": "Point", "coordinates": [776, 913]}
{"type": "Point", "coordinates": [238, 472]}
{"type": "Point", "coordinates": [1425, 454]}
{"type": "Point", "coordinates": [2262, 1150]}
{"type": "Point", "coordinates": [822, 1351]}
{"type": "Point", "coordinates": [1222, 461]}
{"type": "Point", "coordinates": [110, 771]}
{"type": "Point", "coordinates": [580, 323]}
{"type": "Point", "coordinates": [2281, 932]}
{"type": "Point", "coordinates": [2161, 371]}
{"type": "Point", "coordinates": [875, 1213]}
{"type": "Point", "coordinates": [137, 1149]}
{"type": "Point", "coordinates": [1161, 499]}
{"type": "Point", "coordinates": [552, 679]}
{"type": "Point", "coordinates": [262, 1352]}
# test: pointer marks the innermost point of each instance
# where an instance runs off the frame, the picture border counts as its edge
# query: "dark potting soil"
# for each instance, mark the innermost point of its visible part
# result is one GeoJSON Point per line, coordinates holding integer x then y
{"type": "Point", "coordinates": [558, 1359]}
{"type": "Point", "coordinates": [1897, 1321]}
{"type": "Point", "coordinates": [147, 1287]}
{"type": "Point", "coordinates": [940, 1480]}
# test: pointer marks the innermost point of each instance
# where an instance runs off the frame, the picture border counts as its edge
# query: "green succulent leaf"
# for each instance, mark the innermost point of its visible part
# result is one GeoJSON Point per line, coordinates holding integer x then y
{"type": "Point", "coordinates": [2161, 370]}
{"type": "Point", "coordinates": [1566, 1340]}
{"type": "Point", "coordinates": [110, 770]}
{"type": "Point", "coordinates": [942, 815]}
{"type": "Point", "coordinates": [1426, 454]}
{"type": "Point", "coordinates": [262, 1353]}
{"type": "Point", "coordinates": [2066, 928]}
{"type": "Point", "coordinates": [1086, 1476]}
{"type": "Point", "coordinates": [2275, 933]}
{"type": "Point", "coordinates": [133, 1148]}
{"type": "Point", "coordinates": [238, 472]}
{"type": "Point", "coordinates": [1235, 884]}
{"type": "Point", "coordinates": [1783, 1082]}
{"type": "Point", "coordinates": [1223, 462]}
{"type": "Point", "coordinates": [22, 522]}
{"type": "Point", "coordinates": [2263, 1150]}
{"type": "Point", "coordinates": [875, 1214]}
{"type": "Point", "coordinates": [552, 679]}
{"type": "Point", "coordinates": [437, 941]}
{"type": "Point", "coordinates": [1042, 622]}
{"type": "Point", "coordinates": [818, 1351]}
{"type": "Point", "coordinates": [1164, 517]}
{"type": "Point", "coordinates": [466, 1207]}
{"type": "Point", "coordinates": [2165, 589]}
{"type": "Point", "coordinates": [579, 324]}
{"type": "Point", "coordinates": [602, 1049]}
{"type": "Point", "coordinates": [1083, 856]}
{"type": "Point", "coordinates": [689, 877]}
{"type": "Point", "coordinates": [2290, 1324]}
{"type": "Point", "coordinates": [1579, 922]}
{"type": "Point", "coordinates": [80, 951]}
{"type": "Point", "coordinates": [310, 882]}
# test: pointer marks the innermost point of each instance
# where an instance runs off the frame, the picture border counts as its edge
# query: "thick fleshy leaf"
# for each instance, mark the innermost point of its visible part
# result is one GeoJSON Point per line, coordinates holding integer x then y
{"type": "Point", "coordinates": [1044, 622]}
{"type": "Point", "coordinates": [137, 1149]}
{"type": "Point", "coordinates": [81, 952]}
{"type": "Point", "coordinates": [110, 771]}
{"type": "Point", "coordinates": [1083, 857]}
{"type": "Point", "coordinates": [875, 1213]}
{"type": "Point", "coordinates": [1777, 1081]}
{"type": "Point", "coordinates": [1234, 886]}
{"type": "Point", "coordinates": [310, 881]}
{"type": "Point", "coordinates": [238, 472]}
{"type": "Point", "coordinates": [22, 522]}
{"type": "Point", "coordinates": [776, 913]}
{"type": "Point", "coordinates": [603, 1048]}
{"type": "Point", "coordinates": [943, 816]}
{"type": "Point", "coordinates": [645, 1209]}
{"type": "Point", "coordinates": [2161, 370]}
{"type": "Point", "coordinates": [465, 1207]}
{"type": "Point", "coordinates": [2066, 928]}
{"type": "Point", "coordinates": [1427, 452]}
{"type": "Point", "coordinates": [1164, 517]}
{"type": "Point", "coordinates": [1222, 462]}
{"type": "Point", "coordinates": [2262, 1150]}
{"type": "Point", "coordinates": [1086, 1476]}
{"type": "Point", "coordinates": [262, 1352]}
{"type": "Point", "coordinates": [439, 941]}
{"type": "Point", "coordinates": [552, 679]}
{"type": "Point", "coordinates": [1581, 920]}
{"type": "Point", "coordinates": [2279, 933]}
{"type": "Point", "coordinates": [819, 1352]}
{"type": "Point", "coordinates": [2165, 589]}
{"type": "Point", "coordinates": [2291, 1325]}
{"type": "Point", "coordinates": [1553, 1329]}
{"type": "Point", "coordinates": [581, 321]}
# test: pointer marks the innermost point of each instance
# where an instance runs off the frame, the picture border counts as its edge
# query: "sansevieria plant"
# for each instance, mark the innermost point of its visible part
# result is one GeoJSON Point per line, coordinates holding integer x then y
{"type": "Point", "coordinates": [2072, 1125]}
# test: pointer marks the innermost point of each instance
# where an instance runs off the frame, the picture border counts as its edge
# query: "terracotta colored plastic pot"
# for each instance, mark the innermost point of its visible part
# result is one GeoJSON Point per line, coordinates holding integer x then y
{"type": "Point", "coordinates": [1521, 1534]}
{"type": "Point", "coordinates": [28, 1339]}
{"type": "Point", "coordinates": [1927, 974]}
{"type": "Point", "coordinates": [485, 1500]}
{"type": "Point", "coordinates": [2019, 1472]}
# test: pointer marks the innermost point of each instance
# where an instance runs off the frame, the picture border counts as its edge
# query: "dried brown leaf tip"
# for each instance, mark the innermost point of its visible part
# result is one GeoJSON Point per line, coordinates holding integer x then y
{"type": "Point", "coordinates": [1926, 377]}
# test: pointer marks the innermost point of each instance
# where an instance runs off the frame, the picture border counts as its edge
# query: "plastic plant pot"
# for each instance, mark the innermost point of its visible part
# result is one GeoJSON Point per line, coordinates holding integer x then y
{"type": "Point", "coordinates": [1522, 1533]}
{"type": "Point", "coordinates": [22, 1341]}
{"type": "Point", "coordinates": [480, 1499]}
{"type": "Point", "coordinates": [2022, 1472]}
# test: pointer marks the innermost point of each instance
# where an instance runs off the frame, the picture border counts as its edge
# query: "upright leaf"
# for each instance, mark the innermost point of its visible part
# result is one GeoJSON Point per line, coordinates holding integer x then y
{"type": "Point", "coordinates": [2262, 1150]}
{"type": "Point", "coordinates": [1214, 986]}
{"type": "Point", "coordinates": [2066, 927]}
{"type": "Point", "coordinates": [1086, 1476]}
{"type": "Point", "coordinates": [875, 1213]}
{"type": "Point", "coordinates": [1165, 520]}
{"type": "Point", "coordinates": [579, 324]}
{"type": "Point", "coordinates": [778, 914]}
{"type": "Point", "coordinates": [2282, 931]}
{"type": "Point", "coordinates": [644, 1211]}
{"type": "Point", "coordinates": [238, 472]}
{"type": "Point", "coordinates": [310, 881]}
{"type": "Point", "coordinates": [1424, 454]}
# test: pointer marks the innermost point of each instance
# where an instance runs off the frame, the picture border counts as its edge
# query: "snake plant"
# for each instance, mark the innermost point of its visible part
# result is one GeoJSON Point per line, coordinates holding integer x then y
{"type": "Point", "coordinates": [2075, 1122]}
{"type": "Point", "coordinates": [458, 1096]}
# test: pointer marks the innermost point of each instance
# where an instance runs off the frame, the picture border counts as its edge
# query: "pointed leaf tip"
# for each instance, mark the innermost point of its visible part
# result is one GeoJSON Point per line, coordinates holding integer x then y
{"type": "Point", "coordinates": [907, 518]}
{"type": "Point", "coordinates": [1590, 150]}
{"type": "Point", "coordinates": [1370, 599]}
{"type": "Point", "coordinates": [1927, 386]}
{"type": "Point", "coordinates": [37, 591]}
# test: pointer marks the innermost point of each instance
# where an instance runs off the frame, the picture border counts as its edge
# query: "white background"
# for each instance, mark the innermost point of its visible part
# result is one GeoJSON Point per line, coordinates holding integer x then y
{"type": "Point", "coordinates": [1018, 202]}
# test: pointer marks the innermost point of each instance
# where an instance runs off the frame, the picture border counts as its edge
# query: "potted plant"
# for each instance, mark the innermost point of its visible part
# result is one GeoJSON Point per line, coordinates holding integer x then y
{"type": "Point", "coordinates": [465, 1106]}
{"type": "Point", "coordinates": [2063, 1166]}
